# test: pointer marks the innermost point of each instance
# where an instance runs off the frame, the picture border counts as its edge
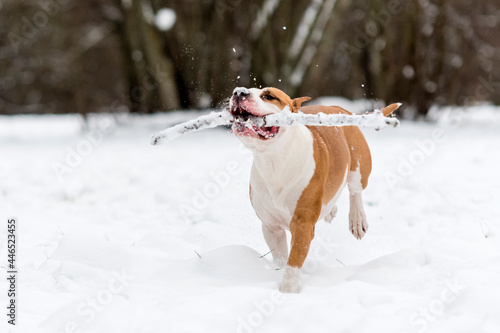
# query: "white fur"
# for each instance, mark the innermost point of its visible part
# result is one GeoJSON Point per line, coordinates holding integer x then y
{"type": "Point", "coordinates": [254, 103]}
{"type": "Point", "coordinates": [354, 181]}
{"type": "Point", "coordinates": [291, 280]}
{"type": "Point", "coordinates": [280, 172]}
{"type": "Point", "coordinates": [275, 237]}
{"type": "Point", "coordinates": [357, 217]}
{"type": "Point", "coordinates": [262, 107]}
{"type": "Point", "coordinates": [330, 216]}
{"type": "Point", "coordinates": [279, 175]}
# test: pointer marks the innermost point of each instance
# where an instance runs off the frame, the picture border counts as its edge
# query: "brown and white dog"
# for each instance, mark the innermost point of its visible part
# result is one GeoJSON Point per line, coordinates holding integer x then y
{"type": "Point", "coordinates": [299, 172]}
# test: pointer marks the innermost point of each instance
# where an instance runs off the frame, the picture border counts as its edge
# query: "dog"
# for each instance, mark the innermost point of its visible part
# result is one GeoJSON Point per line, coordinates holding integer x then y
{"type": "Point", "coordinates": [299, 172]}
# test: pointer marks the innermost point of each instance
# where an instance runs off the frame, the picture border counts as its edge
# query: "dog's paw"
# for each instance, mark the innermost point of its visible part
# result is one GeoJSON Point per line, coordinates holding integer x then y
{"type": "Point", "coordinates": [289, 289]}
{"type": "Point", "coordinates": [330, 216]}
{"type": "Point", "coordinates": [358, 223]}
{"type": "Point", "coordinates": [291, 278]}
{"type": "Point", "coordinates": [280, 261]}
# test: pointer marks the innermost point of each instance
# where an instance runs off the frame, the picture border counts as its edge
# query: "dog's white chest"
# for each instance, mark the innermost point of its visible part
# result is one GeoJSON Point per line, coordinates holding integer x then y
{"type": "Point", "coordinates": [278, 178]}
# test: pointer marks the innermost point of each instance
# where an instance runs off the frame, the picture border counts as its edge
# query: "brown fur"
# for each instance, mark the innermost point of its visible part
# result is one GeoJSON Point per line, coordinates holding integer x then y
{"type": "Point", "coordinates": [358, 147]}
{"type": "Point", "coordinates": [283, 99]}
{"type": "Point", "coordinates": [324, 184]}
{"type": "Point", "coordinates": [335, 149]}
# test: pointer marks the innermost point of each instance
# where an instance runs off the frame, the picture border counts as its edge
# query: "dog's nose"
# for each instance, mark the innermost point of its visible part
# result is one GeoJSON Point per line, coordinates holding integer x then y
{"type": "Point", "coordinates": [241, 92]}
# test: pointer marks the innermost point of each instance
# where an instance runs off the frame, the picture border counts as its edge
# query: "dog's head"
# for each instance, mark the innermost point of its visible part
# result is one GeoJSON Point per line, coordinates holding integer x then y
{"type": "Point", "coordinates": [246, 103]}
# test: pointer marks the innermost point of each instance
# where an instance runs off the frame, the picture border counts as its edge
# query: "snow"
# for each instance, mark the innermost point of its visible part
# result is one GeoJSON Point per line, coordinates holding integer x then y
{"type": "Point", "coordinates": [140, 238]}
{"type": "Point", "coordinates": [211, 120]}
{"type": "Point", "coordinates": [165, 19]}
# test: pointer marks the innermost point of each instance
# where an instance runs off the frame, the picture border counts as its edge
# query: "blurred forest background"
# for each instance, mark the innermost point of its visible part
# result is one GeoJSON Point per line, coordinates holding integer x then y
{"type": "Point", "coordinates": [60, 56]}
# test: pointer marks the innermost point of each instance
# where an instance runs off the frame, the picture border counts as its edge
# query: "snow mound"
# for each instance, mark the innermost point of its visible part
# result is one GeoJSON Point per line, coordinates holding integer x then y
{"type": "Point", "coordinates": [429, 262]}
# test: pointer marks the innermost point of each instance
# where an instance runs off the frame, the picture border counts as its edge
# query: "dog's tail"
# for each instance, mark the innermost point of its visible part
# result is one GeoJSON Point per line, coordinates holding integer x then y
{"type": "Point", "coordinates": [390, 109]}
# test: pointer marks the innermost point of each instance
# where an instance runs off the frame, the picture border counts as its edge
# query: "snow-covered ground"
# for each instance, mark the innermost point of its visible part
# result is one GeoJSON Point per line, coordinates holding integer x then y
{"type": "Point", "coordinates": [116, 235]}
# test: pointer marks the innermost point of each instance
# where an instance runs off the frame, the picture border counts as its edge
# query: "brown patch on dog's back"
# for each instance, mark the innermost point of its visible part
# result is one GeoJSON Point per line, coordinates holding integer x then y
{"type": "Point", "coordinates": [356, 142]}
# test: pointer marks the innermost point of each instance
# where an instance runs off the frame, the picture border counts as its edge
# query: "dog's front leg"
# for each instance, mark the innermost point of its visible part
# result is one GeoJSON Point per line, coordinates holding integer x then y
{"type": "Point", "coordinates": [276, 240]}
{"type": "Point", "coordinates": [302, 230]}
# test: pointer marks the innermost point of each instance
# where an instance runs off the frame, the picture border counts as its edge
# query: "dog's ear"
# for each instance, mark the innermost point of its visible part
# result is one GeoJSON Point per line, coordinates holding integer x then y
{"type": "Point", "coordinates": [297, 102]}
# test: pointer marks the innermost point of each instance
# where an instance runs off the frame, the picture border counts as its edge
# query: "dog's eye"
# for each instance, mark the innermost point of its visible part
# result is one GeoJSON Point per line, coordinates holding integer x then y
{"type": "Point", "coordinates": [269, 97]}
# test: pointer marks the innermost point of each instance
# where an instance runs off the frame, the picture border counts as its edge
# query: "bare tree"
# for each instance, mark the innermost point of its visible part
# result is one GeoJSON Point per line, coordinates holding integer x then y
{"type": "Point", "coordinates": [421, 52]}
{"type": "Point", "coordinates": [110, 55]}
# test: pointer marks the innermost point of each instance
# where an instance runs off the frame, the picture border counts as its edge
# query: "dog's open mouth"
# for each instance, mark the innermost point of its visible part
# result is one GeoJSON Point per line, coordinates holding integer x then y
{"type": "Point", "coordinates": [243, 126]}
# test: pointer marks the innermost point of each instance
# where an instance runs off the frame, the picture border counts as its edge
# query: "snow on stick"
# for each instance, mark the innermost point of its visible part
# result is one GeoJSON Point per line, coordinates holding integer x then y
{"type": "Point", "coordinates": [211, 120]}
{"type": "Point", "coordinates": [286, 118]}
{"type": "Point", "coordinates": [374, 119]}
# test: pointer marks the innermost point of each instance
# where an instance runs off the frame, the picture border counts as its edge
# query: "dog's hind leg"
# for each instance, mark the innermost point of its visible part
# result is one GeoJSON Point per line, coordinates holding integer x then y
{"type": "Point", "coordinates": [331, 215]}
{"type": "Point", "coordinates": [357, 180]}
{"type": "Point", "coordinates": [358, 223]}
